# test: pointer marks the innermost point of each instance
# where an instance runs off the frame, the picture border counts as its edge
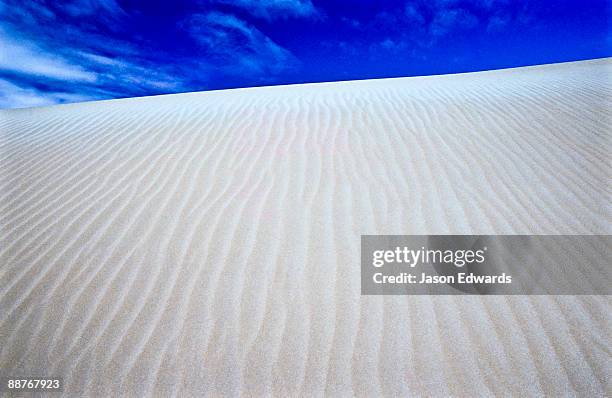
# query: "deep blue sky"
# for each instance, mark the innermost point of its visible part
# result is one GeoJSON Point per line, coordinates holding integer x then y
{"type": "Point", "coordinates": [77, 50]}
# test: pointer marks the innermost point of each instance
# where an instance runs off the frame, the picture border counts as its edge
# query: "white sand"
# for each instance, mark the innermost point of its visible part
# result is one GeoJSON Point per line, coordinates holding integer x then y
{"type": "Point", "coordinates": [208, 243]}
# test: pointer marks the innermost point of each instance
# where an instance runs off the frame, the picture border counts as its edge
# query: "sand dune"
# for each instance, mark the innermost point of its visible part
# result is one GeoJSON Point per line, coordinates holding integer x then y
{"type": "Point", "coordinates": [208, 243]}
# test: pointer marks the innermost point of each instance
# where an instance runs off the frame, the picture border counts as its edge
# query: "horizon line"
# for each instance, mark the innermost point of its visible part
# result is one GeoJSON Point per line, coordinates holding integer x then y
{"type": "Point", "coordinates": [307, 83]}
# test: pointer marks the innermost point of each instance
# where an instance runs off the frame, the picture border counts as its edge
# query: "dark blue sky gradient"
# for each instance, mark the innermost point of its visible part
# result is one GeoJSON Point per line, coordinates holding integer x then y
{"type": "Point", "coordinates": [77, 50]}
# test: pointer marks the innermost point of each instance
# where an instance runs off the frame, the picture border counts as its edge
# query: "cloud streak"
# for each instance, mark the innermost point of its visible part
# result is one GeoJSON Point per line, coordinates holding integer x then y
{"type": "Point", "coordinates": [69, 51]}
{"type": "Point", "coordinates": [14, 96]}
{"type": "Point", "coordinates": [448, 19]}
{"type": "Point", "coordinates": [63, 51]}
{"type": "Point", "coordinates": [419, 25]}
{"type": "Point", "coordinates": [238, 47]}
{"type": "Point", "coordinates": [20, 56]}
{"type": "Point", "coordinates": [275, 9]}
{"type": "Point", "coordinates": [80, 49]}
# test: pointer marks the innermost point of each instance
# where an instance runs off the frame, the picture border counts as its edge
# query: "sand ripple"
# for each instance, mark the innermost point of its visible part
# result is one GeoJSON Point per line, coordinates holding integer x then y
{"type": "Point", "coordinates": [208, 243]}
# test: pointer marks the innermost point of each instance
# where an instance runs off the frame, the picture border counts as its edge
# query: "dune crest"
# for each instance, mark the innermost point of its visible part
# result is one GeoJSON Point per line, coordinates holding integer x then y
{"type": "Point", "coordinates": [208, 243]}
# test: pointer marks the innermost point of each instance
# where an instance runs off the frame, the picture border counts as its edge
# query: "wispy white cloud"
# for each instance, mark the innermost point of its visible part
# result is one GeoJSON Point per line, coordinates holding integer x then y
{"type": "Point", "coordinates": [497, 23]}
{"type": "Point", "coordinates": [45, 48]}
{"type": "Point", "coordinates": [413, 14]}
{"type": "Point", "coordinates": [420, 24]}
{"type": "Point", "coordinates": [449, 19]}
{"type": "Point", "coordinates": [23, 57]}
{"type": "Point", "coordinates": [490, 4]}
{"type": "Point", "coordinates": [122, 71]}
{"type": "Point", "coordinates": [81, 47]}
{"type": "Point", "coordinates": [90, 7]}
{"type": "Point", "coordinates": [275, 9]}
{"type": "Point", "coordinates": [14, 96]}
{"type": "Point", "coordinates": [238, 47]}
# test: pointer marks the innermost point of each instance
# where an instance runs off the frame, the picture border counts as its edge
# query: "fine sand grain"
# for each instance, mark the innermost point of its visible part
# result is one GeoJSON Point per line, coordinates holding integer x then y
{"type": "Point", "coordinates": [208, 243]}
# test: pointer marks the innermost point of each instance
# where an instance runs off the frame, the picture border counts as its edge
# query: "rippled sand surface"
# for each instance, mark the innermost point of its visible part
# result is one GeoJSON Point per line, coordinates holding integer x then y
{"type": "Point", "coordinates": [208, 243]}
